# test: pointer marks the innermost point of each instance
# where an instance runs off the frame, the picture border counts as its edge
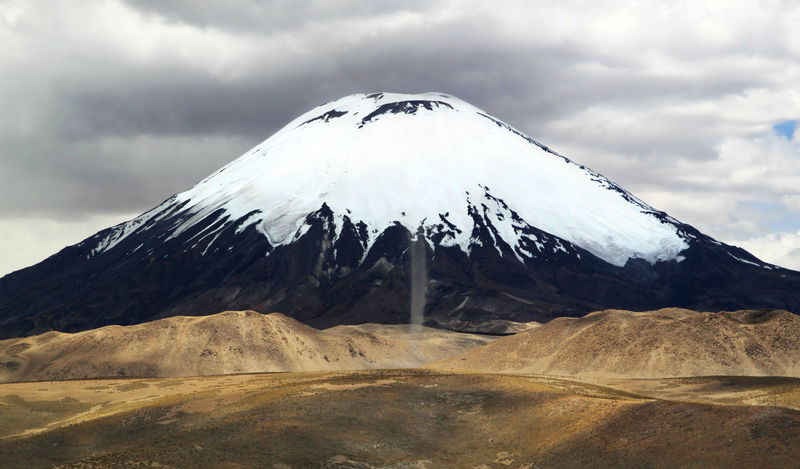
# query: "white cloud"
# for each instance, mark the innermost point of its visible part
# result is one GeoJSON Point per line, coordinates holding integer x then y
{"type": "Point", "coordinates": [782, 249]}
{"type": "Point", "coordinates": [792, 203]}
{"type": "Point", "coordinates": [746, 186]}
{"type": "Point", "coordinates": [27, 240]}
{"type": "Point", "coordinates": [675, 100]}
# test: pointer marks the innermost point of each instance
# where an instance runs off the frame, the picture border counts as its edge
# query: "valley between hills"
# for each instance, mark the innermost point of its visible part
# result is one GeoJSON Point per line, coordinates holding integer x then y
{"type": "Point", "coordinates": [474, 402]}
{"type": "Point", "coordinates": [549, 292]}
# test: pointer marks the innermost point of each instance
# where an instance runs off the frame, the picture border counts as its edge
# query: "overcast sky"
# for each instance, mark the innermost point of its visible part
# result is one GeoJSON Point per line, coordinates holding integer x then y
{"type": "Point", "coordinates": [109, 107]}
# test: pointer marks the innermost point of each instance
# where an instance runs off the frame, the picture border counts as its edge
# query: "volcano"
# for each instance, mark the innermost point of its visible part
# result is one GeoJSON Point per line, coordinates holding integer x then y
{"type": "Point", "coordinates": [316, 223]}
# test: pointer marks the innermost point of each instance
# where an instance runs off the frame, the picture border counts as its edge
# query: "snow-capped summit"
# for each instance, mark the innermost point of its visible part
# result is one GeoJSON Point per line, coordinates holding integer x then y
{"type": "Point", "coordinates": [316, 223]}
{"type": "Point", "coordinates": [427, 160]}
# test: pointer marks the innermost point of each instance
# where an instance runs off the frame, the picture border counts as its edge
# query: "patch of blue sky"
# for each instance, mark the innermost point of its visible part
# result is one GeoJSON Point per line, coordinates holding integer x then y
{"type": "Point", "coordinates": [786, 128]}
{"type": "Point", "coordinates": [775, 216]}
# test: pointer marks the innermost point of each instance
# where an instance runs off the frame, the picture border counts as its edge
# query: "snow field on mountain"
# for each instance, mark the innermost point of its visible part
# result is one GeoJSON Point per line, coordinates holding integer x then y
{"type": "Point", "coordinates": [413, 167]}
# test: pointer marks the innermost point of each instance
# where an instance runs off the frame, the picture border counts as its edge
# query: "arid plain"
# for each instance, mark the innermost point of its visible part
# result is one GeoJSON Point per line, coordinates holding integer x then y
{"type": "Point", "coordinates": [413, 417]}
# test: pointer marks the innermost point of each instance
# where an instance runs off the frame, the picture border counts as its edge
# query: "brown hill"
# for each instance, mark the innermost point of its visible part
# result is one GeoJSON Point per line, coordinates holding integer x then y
{"type": "Point", "coordinates": [664, 343]}
{"type": "Point", "coordinates": [229, 342]}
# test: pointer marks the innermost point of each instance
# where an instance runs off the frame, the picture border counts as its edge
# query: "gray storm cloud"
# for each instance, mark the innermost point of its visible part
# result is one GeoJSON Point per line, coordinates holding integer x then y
{"type": "Point", "coordinates": [110, 107]}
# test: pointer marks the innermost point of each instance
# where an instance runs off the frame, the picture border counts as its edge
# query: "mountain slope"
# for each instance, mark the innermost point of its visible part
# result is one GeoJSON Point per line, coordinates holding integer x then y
{"type": "Point", "coordinates": [317, 220]}
{"type": "Point", "coordinates": [224, 343]}
{"type": "Point", "coordinates": [654, 344]}
{"type": "Point", "coordinates": [426, 163]}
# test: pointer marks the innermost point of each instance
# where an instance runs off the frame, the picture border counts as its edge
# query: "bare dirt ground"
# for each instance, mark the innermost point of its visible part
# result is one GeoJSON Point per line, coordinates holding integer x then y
{"type": "Point", "coordinates": [585, 392]}
{"type": "Point", "coordinates": [228, 342]}
{"type": "Point", "coordinates": [669, 342]}
{"type": "Point", "coordinates": [400, 419]}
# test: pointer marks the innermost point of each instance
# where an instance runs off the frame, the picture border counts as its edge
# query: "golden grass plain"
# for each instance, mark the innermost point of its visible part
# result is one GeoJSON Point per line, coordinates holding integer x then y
{"type": "Point", "coordinates": [400, 418]}
{"type": "Point", "coordinates": [601, 407]}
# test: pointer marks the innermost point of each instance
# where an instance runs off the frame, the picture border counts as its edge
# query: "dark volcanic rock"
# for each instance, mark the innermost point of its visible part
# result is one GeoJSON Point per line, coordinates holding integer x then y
{"type": "Point", "coordinates": [316, 223]}
{"type": "Point", "coordinates": [321, 282]}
